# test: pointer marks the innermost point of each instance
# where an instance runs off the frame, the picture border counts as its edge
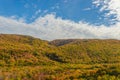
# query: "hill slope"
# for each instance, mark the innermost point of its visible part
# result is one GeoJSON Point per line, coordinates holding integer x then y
{"type": "Point", "coordinates": [91, 50]}
{"type": "Point", "coordinates": [31, 50]}
{"type": "Point", "coordinates": [23, 50]}
{"type": "Point", "coordinates": [27, 57]}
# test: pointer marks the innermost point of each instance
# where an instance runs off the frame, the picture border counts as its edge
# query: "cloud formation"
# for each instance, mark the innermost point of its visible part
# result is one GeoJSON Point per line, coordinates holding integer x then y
{"type": "Point", "coordinates": [51, 27]}
{"type": "Point", "coordinates": [111, 6]}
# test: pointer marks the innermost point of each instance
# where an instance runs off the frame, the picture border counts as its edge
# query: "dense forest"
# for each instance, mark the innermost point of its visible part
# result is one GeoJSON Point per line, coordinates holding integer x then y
{"type": "Point", "coordinates": [28, 58]}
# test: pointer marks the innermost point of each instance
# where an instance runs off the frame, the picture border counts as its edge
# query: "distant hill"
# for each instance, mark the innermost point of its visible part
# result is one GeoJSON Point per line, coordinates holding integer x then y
{"type": "Point", "coordinates": [90, 50]}
{"type": "Point", "coordinates": [28, 58]}
{"type": "Point", "coordinates": [27, 50]}
{"type": "Point", "coordinates": [60, 42]}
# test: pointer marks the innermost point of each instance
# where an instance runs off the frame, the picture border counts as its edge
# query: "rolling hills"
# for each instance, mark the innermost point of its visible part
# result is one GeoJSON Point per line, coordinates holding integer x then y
{"type": "Point", "coordinates": [25, 57]}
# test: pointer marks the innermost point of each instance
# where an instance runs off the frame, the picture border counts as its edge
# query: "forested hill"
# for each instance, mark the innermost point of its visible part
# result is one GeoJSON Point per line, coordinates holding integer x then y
{"type": "Point", "coordinates": [28, 58]}
{"type": "Point", "coordinates": [26, 50]}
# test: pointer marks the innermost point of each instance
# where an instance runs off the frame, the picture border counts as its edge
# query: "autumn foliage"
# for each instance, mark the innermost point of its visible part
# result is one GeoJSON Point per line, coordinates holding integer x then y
{"type": "Point", "coordinates": [27, 58]}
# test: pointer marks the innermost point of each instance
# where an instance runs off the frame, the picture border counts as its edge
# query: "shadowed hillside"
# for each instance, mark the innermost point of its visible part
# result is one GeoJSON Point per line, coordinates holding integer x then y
{"type": "Point", "coordinates": [89, 50]}
{"type": "Point", "coordinates": [68, 55]}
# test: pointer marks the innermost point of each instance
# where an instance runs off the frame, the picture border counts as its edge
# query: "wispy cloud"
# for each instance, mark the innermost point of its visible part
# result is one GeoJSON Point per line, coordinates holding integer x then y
{"type": "Point", "coordinates": [65, 1]}
{"type": "Point", "coordinates": [36, 14]}
{"type": "Point", "coordinates": [51, 27]}
{"type": "Point", "coordinates": [26, 5]}
{"type": "Point", "coordinates": [87, 9]}
{"type": "Point", "coordinates": [111, 6]}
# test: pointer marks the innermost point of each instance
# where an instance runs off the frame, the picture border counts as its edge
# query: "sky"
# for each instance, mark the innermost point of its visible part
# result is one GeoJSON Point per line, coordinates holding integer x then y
{"type": "Point", "coordinates": [61, 19]}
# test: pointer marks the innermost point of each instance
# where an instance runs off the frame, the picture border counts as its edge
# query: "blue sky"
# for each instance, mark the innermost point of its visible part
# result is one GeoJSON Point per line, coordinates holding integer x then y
{"type": "Point", "coordinates": [68, 18]}
{"type": "Point", "coordinates": [75, 10]}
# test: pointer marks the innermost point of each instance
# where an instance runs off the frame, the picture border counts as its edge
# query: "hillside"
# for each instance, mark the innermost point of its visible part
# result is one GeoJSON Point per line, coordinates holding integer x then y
{"type": "Point", "coordinates": [22, 52]}
{"type": "Point", "coordinates": [89, 51]}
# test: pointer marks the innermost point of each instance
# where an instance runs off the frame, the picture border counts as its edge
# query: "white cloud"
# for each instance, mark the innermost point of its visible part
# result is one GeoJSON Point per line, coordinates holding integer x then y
{"type": "Point", "coordinates": [87, 9]}
{"type": "Point", "coordinates": [36, 14]}
{"type": "Point", "coordinates": [113, 6]}
{"type": "Point", "coordinates": [51, 27]}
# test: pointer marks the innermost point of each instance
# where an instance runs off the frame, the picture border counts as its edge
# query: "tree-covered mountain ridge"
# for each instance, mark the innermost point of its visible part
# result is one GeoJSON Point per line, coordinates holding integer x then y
{"type": "Point", "coordinates": [27, 50]}
{"type": "Point", "coordinates": [27, 58]}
